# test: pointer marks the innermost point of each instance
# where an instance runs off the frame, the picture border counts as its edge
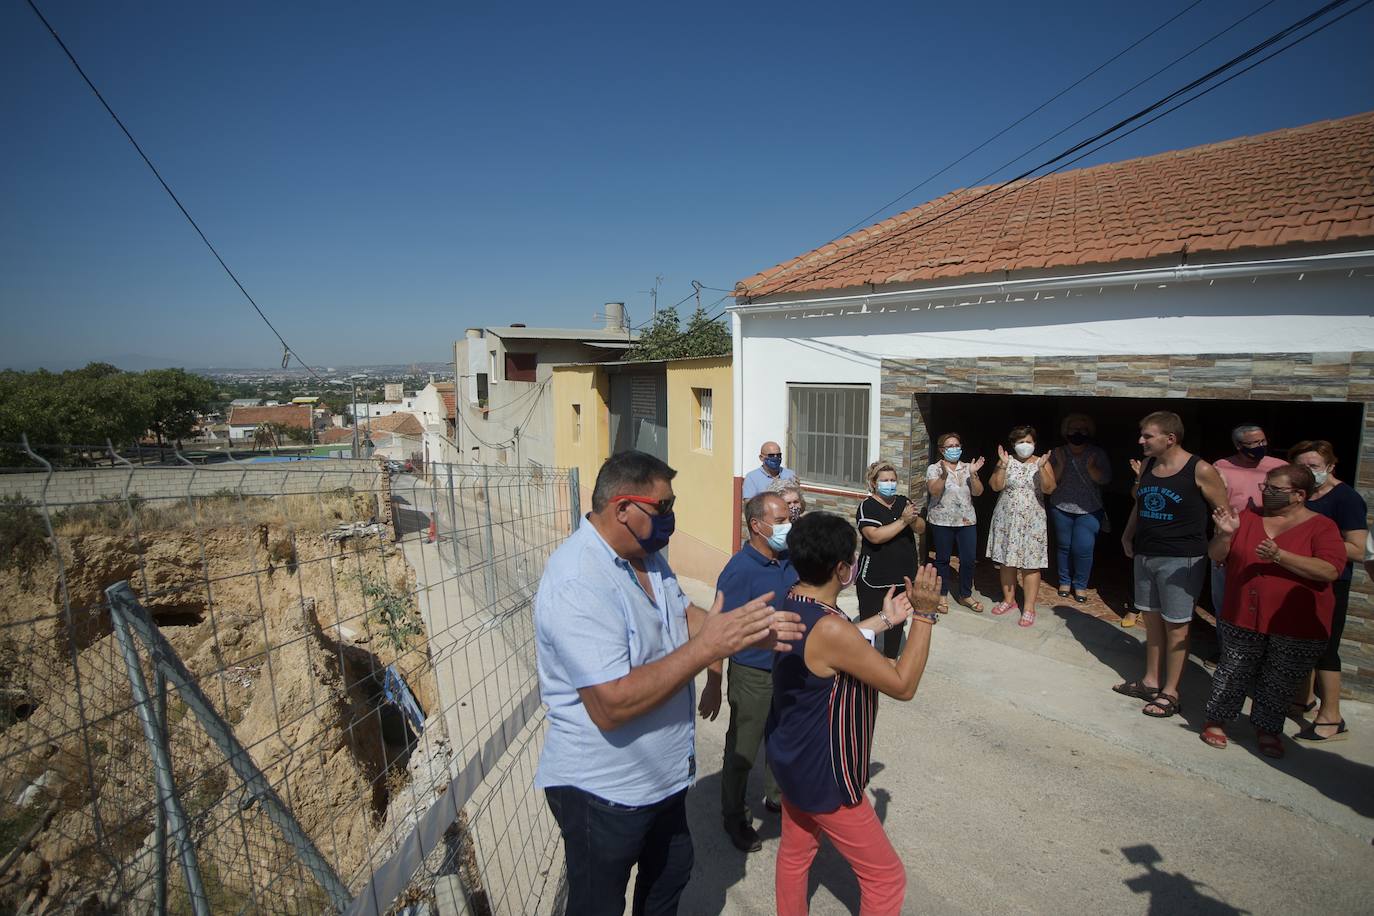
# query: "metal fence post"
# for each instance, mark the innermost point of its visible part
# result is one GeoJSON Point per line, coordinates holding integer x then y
{"type": "Point", "coordinates": [453, 518]}
{"type": "Point", "coordinates": [162, 771]}
{"type": "Point", "coordinates": [160, 830]}
{"type": "Point", "coordinates": [125, 606]}
{"type": "Point", "coordinates": [574, 497]}
{"type": "Point", "coordinates": [490, 573]}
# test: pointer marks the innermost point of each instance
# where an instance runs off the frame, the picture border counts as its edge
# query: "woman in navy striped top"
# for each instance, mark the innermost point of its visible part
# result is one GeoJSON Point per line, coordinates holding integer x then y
{"type": "Point", "coordinates": [825, 703]}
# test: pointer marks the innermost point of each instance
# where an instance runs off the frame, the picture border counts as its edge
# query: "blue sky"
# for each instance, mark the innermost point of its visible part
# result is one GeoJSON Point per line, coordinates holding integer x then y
{"type": "Point", "coordinates": [381, 176]}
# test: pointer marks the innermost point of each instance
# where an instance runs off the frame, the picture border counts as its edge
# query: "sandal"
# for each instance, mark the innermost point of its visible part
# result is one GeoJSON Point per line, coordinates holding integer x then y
{"type": "Point", "coordinates": [1129, 619]}
{"type": "Point", "coordinates": [1165, 701]}
{"type": "Point", "coordinates": [1271, 745]}
{"type": "Point", "coordinates": [971, 603]}
{"type": "Point", "coordinates": [1027, 618]}
{"type": "Point", "coordinates": [1296, 710]}
{"type": "Point", "coordinates": [1310, 732]}
{"type": "Point", "coordinates": [1004, 607]}
{"type": "Point", "coordinates": [1213, 735]}
{"type": "Point", "coordinates": [942, 607]}
{"type": "Point", "coordinates": [1136, 690]}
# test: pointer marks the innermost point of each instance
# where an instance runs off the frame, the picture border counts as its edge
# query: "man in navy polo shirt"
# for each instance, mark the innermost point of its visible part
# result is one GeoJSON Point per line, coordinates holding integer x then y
{"type": "Point", "coordinates": [760, 567]}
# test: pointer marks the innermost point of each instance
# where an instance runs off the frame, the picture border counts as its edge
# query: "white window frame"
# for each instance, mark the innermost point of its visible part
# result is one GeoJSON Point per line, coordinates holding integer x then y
{"type": "Point", "coordinates": [577, 424]}
{"type": "Point", "coordinates": [705, 401]}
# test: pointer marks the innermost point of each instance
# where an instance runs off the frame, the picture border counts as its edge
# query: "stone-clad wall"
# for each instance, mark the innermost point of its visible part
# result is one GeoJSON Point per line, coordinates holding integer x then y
{"type": "Point", "coordinates": [906, 385]}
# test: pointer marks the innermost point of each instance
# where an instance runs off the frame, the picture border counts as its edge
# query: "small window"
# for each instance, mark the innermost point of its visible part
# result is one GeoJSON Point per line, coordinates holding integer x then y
{"type": "Point", "coordinates": [577, 423]}
{"type": "Point", "coordinates": [482, 393]}
{"type": "Point", "coordinates": [705, 437]}
{"type": "Point", "coordinates": [827, 433]}
{"type": "Point", "coordinates": [520, 367]}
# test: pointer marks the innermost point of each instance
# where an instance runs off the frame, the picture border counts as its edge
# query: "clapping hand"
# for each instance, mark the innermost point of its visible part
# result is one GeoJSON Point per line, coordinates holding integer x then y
{"type": "Point", "coordinates": [1040, 462]}
{"type": "Point", "coordinates": [923, 594]}
{"type": "Point", "coordinates": [910, 513]}
{"type": "Point", "coordinates": [1267, 550]}
{"type": "Point", "coordinates": [1226, 520]}
{"type": "Point", "coordinates": [977, 465]}
{"type": "Point", "coordinates": [1002, 457]}
{"type": "Point", "coordinates": [1136, 465]}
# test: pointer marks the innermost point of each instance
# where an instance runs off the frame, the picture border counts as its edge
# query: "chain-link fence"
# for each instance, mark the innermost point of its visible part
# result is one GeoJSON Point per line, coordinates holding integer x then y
{"type": "Point", "coordinates": [303, 686]}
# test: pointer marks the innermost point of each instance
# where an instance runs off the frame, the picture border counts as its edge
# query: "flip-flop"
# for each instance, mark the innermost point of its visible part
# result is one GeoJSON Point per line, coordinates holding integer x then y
{"type": "Point", "coordinates": [1217, 738]}
{"type": "Point", "coordinates": [1165, 701]}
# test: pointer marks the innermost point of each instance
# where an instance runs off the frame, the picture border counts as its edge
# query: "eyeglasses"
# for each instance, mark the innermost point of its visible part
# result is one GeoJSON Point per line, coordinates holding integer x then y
{"type": "Point", "coordinates": [772, 454]}
{"type": "Point", "coordinates": [661, 506]}
{"type": "Point", "coordinates": [1266, 488]}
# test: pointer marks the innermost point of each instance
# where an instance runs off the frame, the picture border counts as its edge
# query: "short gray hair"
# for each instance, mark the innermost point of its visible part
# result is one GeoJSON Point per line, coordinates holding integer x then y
{"type": "Point", "coordinates": [1242, 430]}
{"type": "Point", "coordinates": [757, 506]}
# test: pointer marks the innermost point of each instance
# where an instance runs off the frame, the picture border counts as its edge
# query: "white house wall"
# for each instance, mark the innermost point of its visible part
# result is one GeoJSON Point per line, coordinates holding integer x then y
{"type": "Point", "coordinates": [1329, 312]}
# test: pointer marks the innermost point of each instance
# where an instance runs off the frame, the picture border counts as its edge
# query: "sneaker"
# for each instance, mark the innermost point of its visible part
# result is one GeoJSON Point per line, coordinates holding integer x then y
{"type": "Point", "coordinates": [744, 836]}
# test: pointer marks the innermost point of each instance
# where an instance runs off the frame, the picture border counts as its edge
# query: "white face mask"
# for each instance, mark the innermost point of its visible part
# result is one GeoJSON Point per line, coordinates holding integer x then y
{"type": "Point", "coordinates": [1319, 477]}
{"type": "Point", "coordinates": [1024, 449]}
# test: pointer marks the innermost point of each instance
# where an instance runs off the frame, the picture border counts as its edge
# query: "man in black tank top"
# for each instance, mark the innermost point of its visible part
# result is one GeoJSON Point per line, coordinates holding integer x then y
{"type": "Point", "coordinates": [1166, 536]}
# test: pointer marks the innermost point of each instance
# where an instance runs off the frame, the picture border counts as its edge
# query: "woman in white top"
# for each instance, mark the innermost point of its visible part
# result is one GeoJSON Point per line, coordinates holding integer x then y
{"type": "Point", "coordinates": [952, 483]}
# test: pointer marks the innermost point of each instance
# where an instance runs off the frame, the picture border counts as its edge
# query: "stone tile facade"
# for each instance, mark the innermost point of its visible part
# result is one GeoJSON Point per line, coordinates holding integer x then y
{"type": "Point", "coordinates": [905, 405]}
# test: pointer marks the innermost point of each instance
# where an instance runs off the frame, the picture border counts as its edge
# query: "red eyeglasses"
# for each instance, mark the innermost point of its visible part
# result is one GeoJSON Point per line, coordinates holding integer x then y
{"type": "Point", "coordinates": [664, 506]}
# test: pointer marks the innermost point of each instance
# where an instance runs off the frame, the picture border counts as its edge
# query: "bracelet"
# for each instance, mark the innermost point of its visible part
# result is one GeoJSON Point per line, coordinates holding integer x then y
{"type": "Point", "coordinates": [931, 619]}
{"type": "Point", "coordinates": [887, 624]}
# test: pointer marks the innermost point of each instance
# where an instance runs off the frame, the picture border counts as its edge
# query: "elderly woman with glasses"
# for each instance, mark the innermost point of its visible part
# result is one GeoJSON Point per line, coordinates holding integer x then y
{"type": "Point", "coordinates": [1276, 620]}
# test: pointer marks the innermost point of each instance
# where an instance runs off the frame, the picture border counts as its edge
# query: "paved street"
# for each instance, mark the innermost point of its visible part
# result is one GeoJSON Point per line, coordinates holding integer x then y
{"type": "Point", "coordinates": [1016, 782]}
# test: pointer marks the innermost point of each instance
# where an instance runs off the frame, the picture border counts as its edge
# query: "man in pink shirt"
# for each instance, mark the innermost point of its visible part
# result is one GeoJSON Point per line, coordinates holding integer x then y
{"type": "Point", "coordinates": [1243, 472]}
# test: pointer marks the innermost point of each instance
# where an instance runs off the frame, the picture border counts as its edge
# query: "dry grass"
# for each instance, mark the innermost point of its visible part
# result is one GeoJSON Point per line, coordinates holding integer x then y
{"type": "Point", "coordinates": [301, 513]}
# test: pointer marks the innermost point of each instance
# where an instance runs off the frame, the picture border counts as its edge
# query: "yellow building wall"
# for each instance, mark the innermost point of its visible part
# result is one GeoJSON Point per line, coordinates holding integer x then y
{"type": "Point", "coordinates": [584, 387]}
{"type": "Point", "coordinates": [705, 483]}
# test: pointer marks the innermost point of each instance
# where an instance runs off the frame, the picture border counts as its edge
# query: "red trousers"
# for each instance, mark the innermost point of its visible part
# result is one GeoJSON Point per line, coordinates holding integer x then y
{"type": "Point", "coordinates": [858, 834]}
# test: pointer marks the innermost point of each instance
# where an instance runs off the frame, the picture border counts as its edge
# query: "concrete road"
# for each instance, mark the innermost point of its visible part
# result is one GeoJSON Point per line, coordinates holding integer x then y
{"type": "Point", "coordinates": [1017, 782]}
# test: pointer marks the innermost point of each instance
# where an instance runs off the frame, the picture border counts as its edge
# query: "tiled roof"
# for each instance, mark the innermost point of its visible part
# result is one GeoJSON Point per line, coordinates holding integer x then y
{"type": "Point", "coordinates": [336, 434]}
{"type": "Point", "coordinates": [1295, 186]}
{"type": "Point", "coordinates": [402, 424]}
{"type": "Point", "coordinates": [448, 391]}
{"type": "Point", "coordinates": [297, 415]}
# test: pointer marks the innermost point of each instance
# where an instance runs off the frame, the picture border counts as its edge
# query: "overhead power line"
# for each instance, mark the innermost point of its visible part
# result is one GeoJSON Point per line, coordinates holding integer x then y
{"type": "Point", "coordinates": [1058, 162]}
{"type": "Point", "coordinates": [286, 348]}
{"type": "Point", "coordinates": [863, 221]}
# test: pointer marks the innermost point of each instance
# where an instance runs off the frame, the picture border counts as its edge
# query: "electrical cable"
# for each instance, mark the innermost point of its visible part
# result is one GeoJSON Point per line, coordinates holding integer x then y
{"type": "Point", "coordinates": [1054, 98]}
{"type": "Point", "coordinates": [170, 193]}
{"type": "Point", "coordinates": [1142, 113]}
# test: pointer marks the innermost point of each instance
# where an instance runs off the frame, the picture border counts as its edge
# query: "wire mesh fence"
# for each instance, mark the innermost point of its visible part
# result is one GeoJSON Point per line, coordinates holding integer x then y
{"type": "Point", "coordinates": [316, 692]}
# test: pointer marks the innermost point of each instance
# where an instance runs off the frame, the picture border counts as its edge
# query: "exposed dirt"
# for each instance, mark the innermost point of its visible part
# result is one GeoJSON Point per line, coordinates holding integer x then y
{"type": "Point", "coordinates": [281, 629]}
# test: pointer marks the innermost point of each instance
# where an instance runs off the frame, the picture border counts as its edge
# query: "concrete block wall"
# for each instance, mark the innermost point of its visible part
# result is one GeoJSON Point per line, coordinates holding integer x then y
{"type": "Point", "coordinates": [169, 483]}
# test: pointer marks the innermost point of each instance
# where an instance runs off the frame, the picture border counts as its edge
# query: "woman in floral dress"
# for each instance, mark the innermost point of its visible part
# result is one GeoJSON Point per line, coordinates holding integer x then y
{"type": "Point", "coordinates": [1017, 540]}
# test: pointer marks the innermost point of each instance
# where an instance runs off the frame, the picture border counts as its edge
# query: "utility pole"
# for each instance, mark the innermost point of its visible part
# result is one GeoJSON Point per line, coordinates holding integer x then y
{"type": "Point", "coordinates": [355, 378]}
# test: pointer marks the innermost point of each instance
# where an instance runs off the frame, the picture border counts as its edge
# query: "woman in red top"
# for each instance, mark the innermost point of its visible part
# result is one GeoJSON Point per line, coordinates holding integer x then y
{"type": "Point", "coordinates": [1276, 619]}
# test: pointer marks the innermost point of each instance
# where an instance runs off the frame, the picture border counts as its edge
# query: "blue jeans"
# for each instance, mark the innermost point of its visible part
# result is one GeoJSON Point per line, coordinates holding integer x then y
{"type": "Point", "coordinates": [962, 541]}
{"type": "Point", "coordinates": [1075, 537]}
{"type": "Point", "coordinates": [602, 839]}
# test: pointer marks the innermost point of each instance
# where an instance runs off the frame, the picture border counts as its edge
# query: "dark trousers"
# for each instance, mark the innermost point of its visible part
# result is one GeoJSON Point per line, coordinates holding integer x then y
{"type": "Point", "coordinates": [961, 541]}
{"type": "Point", "coordinates": [1075, 537]}
{"type": "Point", "coordinates": [870, 603]}
{"type": "Point", "coordinates": [602, 840]}
{"type": "Point", "coordinates": [1331, 660]}
{"type": "Point", "coordinates": [750, 694]}
{"type": "Point", "coordinates": [1268, 667]}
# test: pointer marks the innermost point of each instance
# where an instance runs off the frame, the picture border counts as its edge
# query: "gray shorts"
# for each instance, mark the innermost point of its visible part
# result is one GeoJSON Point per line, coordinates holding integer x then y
{"type": "Point", "coordinates": [1169, 586]}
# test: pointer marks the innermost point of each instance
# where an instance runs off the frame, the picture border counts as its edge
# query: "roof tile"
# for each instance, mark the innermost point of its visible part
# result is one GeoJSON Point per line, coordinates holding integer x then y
{"type": "Point", "coordinates": [1300, 185]}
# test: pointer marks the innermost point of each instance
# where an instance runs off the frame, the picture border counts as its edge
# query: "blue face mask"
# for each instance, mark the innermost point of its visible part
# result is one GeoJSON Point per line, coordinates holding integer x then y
{"type": "Point", "coordinates": [773, 464]}
{"type": "Point", "coordinates": [662, 528]}
{"type": "Point", "coordinates": [953, 453]}
{"type": "Point", "coordinates": [778, 539]}
{"type": "Point", "coordinates": [887, 488]}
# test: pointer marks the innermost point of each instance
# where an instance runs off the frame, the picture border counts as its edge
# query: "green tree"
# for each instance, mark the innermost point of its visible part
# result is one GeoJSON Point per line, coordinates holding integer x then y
{"type": "Point", "coordinates": [665, 340]}
{"type": "Point", "coordinates": [175, 397]}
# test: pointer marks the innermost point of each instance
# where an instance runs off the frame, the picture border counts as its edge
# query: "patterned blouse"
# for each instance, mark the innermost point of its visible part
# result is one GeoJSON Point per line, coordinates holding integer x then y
{"type": "Point", "coordinates": [954, 507]}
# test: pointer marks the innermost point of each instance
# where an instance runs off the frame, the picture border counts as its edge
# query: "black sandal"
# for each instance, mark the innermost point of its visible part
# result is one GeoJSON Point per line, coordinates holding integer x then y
{"type": "Point", "coordinates": [1165, 701]}
{"type": "Point", "coordinates": [1136, 690]}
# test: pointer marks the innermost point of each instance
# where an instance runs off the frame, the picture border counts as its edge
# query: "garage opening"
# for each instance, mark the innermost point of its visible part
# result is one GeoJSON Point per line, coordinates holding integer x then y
{"type": "Point", "coordinates": [985, 419]}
